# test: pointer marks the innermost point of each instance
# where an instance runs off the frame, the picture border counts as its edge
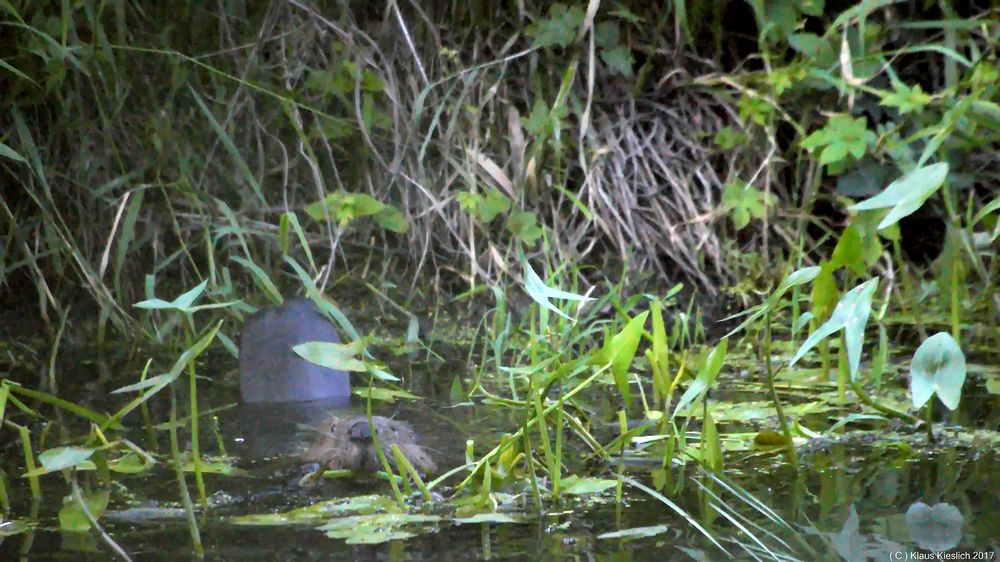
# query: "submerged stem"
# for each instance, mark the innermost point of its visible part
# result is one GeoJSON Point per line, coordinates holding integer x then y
{"type": "Point", "coordinates": [793, 456]}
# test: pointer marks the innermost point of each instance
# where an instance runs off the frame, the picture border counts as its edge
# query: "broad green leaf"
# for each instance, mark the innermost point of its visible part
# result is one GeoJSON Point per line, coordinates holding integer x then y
{"type": "Point", "coordinates": [64, 457]}
{"type": "Point", "coordinates": [853, 252]}
{"type": "Point", "coordinates": [841, 136]}
{"type": "Point", "coordinates": [618, 59]}
{"type": "Point", "coordinates": [824, 294]}
{"type": "Point", "coordinates": [938, 367]}
{"type": "Point", "coordinates": [813, 47]}
{"type": "Point", "coordinates": [906, 194]}
{"type": "Point", "coordinates": [337, 356]}
{"type": "Point", "coordinates": [71, 516]}
{"type": "Point", "coordinates": [619, 351]}
{"type": "Point", "coordinates": [706, 376]}
{"type": "Point", "coordinates": [484, 207]}
{"type": "Point", "coordinates": [391, 218]}
{"type": "Point", "coordinates": [851, 315]}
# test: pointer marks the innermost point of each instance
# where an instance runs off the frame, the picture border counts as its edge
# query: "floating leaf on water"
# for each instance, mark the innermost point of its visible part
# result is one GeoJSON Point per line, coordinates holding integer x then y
{"type": "Point", "coordinates": [938, 367]}
{"type": "Point", "coordinates": [635, 532]}
{"type": "Point", "coordinates": [577, 486]}
{"type": "Point", "coordinates": [379, 528]}
{"type": "Point", "coordinates": [492, 518]}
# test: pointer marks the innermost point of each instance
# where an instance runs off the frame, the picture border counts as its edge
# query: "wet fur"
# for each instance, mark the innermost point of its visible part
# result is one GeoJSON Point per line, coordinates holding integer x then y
{"type": "Point", "coordinates": [335, 449]}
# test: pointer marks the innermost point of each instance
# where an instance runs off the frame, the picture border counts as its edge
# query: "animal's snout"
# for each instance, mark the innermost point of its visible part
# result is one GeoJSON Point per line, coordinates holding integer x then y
{"type": "Point", "coordinates": [361, 431]}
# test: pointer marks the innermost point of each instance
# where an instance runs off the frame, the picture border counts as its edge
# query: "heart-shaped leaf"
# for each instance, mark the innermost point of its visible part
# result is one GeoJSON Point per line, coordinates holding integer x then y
{"type": "Point", "coordinates": [938, 367]}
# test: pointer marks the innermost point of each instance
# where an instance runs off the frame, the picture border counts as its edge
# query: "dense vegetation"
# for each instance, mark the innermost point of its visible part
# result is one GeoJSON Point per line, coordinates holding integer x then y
{"type": "Point", "coordinates": [825, 170]}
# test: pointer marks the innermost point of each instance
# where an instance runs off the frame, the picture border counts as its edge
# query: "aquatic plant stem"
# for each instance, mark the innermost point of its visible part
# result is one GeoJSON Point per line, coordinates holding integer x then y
{"type": "Point", "coordinates": [867, 400]}
{"type": "Point", "coordinates": [793, 457]}
{"type": "Point", "coordinates": [29, 460]}
{"type": "Point", "coordinates": [378, 448]}
{"type": "Point", "coordinates": [928, 417]}
{"type": "Point", "coordinates": [551, 408]}
{"type": "Point", "coordinates": [175, 454]}
{"type": "Point", "coordinates": [78, 498]}
{"type": "Point", "coordinates": [199, 479]}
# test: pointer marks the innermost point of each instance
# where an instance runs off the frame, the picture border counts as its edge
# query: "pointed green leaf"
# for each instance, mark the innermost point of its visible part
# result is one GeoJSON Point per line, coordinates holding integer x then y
{"type": "Point", "coordinates": [541, 293]}
{"type": "Point", "coordinates": [337, 356]}
{"type": "Point", "coordinates": [620, 350]}
{"type": "Point", "coordinates": [706, 376]}
{"type": "Point", "coordinates": [906, 194]}
{"type": "Point", "coordinates": [851, 314]}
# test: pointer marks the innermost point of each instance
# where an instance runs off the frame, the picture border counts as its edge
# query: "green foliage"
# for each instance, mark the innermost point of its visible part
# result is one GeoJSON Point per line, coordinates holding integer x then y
{"type": "Point", "coordinates": [744, 202]}
{"type": "Point", "coordinates": [559, 28]}
{"type": "Point", "coordinates": [618, 57]}
{"type": "Point", "coordinates": [524, 226]}
{"type": "Point", "coordinates": [842, 136]}
{"type": "Point", "coordinates": [728, 137]}
{"type": "Point", "coordinates": [937, 368]}
{"type": "Point", "coordinates": [72, 517]}
{"type": "Point", "coordinates": [906, 194]}
{"type": "Point", "coordinates": [484, 207]}
{"type": "Point", "coordinates": [706, 376]}
{"type": "Point", "coordinates": [850, 315]}
{"type": "Point", "coordinates": [618, 352]}
{"type": "Point", "coordinates": [905, 99]}
{"type": "Point", "coordinates": [344, 208]}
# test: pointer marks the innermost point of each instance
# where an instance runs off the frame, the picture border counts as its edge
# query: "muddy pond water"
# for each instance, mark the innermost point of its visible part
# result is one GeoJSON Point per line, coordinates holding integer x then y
{"type": "Point", "coordinates": [860, 494]}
